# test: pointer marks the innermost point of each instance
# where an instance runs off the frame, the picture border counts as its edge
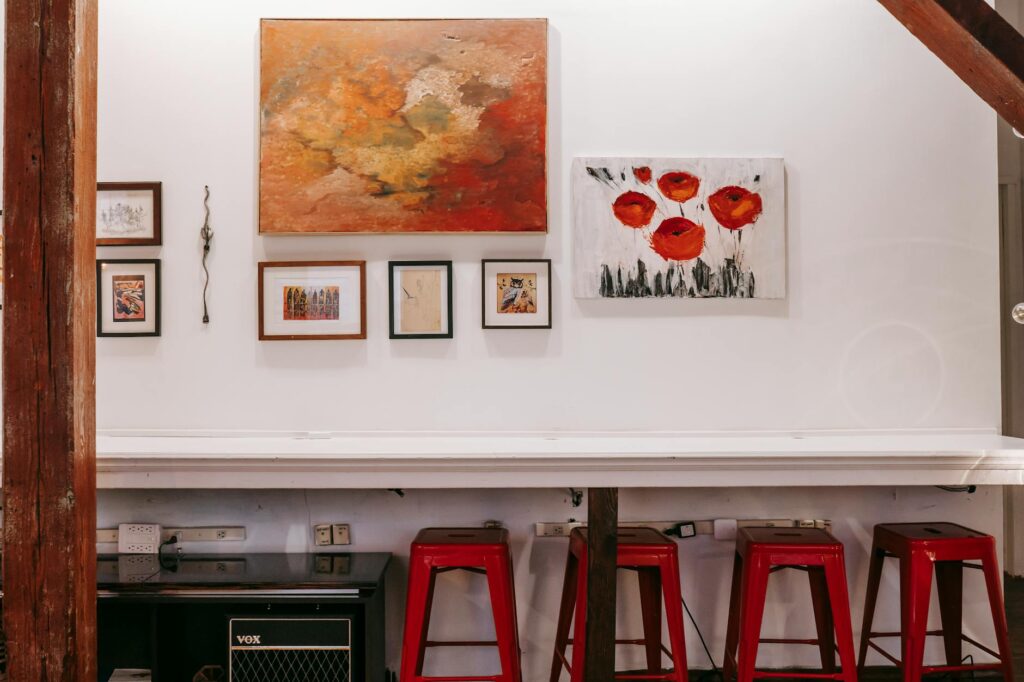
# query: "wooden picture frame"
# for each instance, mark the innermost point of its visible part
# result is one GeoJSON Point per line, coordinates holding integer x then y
{"type": "Point", "coordinates": [130, 273]}
{"type": "Point", "coordinates": [445, 299]}
{"type": "Point", "coordinates": [155, 238]}
{"type": "Point", "coordinates": [535, 314]}
{"type": "Point", "coordinates": [280, 328]}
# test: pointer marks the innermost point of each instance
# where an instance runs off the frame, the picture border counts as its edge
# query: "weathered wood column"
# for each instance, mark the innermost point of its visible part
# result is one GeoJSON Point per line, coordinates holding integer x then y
{"type": "Point", "coordinates": [49, 336]}
{"type": "Point", "coordinates": [602, 555]}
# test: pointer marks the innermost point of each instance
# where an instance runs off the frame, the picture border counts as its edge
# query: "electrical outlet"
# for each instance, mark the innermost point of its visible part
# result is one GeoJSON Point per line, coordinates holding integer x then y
{"type": "Point", "coordinates": [138, 538]}
{"type": "Point", "coordinates": [209, 534]}
{"type": "Point", "coordinates": [555, 530]}
{"type": "Point", "coordinates": [322, 534]}
{"type": "Point", "coordinates": [341, 534]}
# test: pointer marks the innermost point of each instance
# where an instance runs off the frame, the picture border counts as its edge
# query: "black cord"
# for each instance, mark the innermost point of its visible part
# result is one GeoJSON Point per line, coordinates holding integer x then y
{"type": "Point", "coordinates": [714, 668]}
{"type": "Point", "coordinates": [172, 565]}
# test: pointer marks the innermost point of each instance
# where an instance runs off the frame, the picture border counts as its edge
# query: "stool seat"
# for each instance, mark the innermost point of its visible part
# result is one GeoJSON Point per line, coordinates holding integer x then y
{"type": "Point", "coordinates": [924, 549]}
{"type": "Point", "coordinates": [462, 536]}
{"type": "Point", "coordinates": [812, 539]}
{"type": "Point", "coordinates": [759, 553]}
{"type": "Point", "coordinates": [480, 550]}
{"type": "Point", "coordinates": [655, 558]}
{"type": "Point", "coordinates": [627, 537]}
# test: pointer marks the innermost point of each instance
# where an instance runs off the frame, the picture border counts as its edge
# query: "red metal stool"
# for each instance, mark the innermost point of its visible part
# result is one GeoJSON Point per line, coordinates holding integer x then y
{"type": "Point", "coordinates": [479, 550]}
{"type": "Point", "coordinates": [946, 546]}
{"type": "Point", "coordinates": [655, 558]}
{"type": "Point", "coordinates": [762, 551]}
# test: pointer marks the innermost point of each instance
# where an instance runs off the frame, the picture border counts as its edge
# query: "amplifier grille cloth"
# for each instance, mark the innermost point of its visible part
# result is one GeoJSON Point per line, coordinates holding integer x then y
{"type": "Point", "coordinates": [290, 665]}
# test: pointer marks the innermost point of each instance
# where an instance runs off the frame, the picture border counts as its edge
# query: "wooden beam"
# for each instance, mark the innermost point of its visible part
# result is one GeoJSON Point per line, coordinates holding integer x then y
{"type": "Point", "coordinates": [976, 43]}
{"type": "Point", "coordinates": [602, 555]}
{"type": "Point", "coordinates": [49, 336]}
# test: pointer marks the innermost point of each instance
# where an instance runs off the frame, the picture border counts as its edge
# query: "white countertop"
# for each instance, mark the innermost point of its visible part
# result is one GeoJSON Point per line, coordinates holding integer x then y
{"type": "Point", "coordinates": [433, 460]}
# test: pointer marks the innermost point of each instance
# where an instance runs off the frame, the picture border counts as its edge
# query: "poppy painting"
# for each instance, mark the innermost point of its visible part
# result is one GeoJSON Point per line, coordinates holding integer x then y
{"type": "Point", "coordinates": [399, 126]}
{"type": "Point", "coordinates": [679, 228]}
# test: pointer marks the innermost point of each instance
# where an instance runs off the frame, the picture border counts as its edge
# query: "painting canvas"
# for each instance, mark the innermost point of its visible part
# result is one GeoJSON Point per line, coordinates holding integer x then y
{"type": "Point", "coordinates": [679, 228]}
{"type": "Point", "coordinates": [517, 293]}
{"type": "Point", "coordinates": [311, 303]}
{"type": "Point", "coordinates": [129, 297]}
{"type": "Point", "coordinates": [393, 126]}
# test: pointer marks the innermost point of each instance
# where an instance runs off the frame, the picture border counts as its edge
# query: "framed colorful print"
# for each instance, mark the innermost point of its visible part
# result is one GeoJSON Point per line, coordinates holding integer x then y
{"type": "Point", "coordinates": [128, 297]}
{"type": "Point", "coordinates": [312, 300]}
{"type": "Point", "coordinates": [403, 125]}
{"type": "Point", "coordinates": [128, 214]}
{"type": "Point", "coordinates": [420, 299]}
{"type": "Point", "coordinates": [517, 294]}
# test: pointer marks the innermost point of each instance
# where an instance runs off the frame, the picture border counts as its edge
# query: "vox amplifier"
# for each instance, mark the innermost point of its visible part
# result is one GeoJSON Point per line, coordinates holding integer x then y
{"type": "Point", "coordinates": [290, 649]}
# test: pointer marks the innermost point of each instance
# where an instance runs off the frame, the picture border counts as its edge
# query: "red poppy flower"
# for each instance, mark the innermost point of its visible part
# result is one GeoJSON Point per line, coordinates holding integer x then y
{"type": "Point", "coordinates": [734, 207]}
{"type": "Point", "coordinates": [678, 239]}
{"type": "Point", "coordinates": [643, 174]}
{"type": "Point", "coordinates": [634, 209]}
{"type": "Point", "coordinates": [679, 186]}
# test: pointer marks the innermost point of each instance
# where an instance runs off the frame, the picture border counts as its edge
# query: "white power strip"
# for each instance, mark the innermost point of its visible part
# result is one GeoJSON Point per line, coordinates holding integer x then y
{"type": "Point", "coordinates": [722, 529]}
{"type": "Point", "coordinates": [138, 538]}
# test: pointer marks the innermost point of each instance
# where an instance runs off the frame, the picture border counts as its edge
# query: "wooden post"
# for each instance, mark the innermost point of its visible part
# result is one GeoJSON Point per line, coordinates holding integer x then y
{"type": "Point", "coordinates": [973, 40]}
{"type": "Point", "coordinates": [49, 337]}
{"type": "Point", "coordinates": [602, 550]}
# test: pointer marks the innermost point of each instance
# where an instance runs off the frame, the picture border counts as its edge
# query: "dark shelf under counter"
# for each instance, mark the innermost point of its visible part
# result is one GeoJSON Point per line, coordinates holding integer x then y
{"type": "Point", "coordinates": [171, 615]}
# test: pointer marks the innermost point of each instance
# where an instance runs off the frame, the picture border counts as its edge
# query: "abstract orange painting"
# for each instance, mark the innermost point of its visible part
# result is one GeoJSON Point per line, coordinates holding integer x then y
{"type": "Point", "coordinates": [391, 126]}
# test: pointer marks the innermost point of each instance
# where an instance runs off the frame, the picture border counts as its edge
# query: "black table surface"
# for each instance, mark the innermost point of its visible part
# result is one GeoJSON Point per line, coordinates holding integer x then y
{"type": "Point", "coordinates": [140, 573]}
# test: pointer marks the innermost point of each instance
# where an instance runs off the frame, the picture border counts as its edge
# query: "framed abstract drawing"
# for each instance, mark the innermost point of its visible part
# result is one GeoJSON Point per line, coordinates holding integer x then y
{"type": "Point", "coordinates": [403, 125]}
{"type": "Point", "coordinates": [679, 228]}
{"type": "Point", "coordinates": [128, 297]}
{"type": "Point", "coordinates": [128, 214]}
{"type": "Point", "coordinates": [420, 299]}
{"type": "Point", "coordinates": [516, 294]}
{"type": "Point", "coordinates": [312, 300]}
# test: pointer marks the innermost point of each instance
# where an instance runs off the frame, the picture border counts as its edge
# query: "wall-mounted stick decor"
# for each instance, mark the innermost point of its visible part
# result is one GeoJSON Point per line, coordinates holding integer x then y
{"type": "Point", "coordinates": [206, 233]}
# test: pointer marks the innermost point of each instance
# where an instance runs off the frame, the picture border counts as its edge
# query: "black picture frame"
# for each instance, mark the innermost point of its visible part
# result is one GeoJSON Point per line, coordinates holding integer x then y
{"type": "Point", "coordinates": [484, 295]}
{"type": "Point", "coordinates": [155, 262]}
{"type": "Point", "coordinates": [447, 265]}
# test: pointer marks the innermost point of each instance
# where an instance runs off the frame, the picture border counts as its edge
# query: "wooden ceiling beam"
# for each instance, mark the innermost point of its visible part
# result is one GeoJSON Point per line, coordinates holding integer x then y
{"type": "Point", "coordinates": [973, 40]}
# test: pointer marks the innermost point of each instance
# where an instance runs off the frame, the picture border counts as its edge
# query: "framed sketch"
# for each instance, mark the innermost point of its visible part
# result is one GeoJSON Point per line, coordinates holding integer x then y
{"type": "Point", "coordinates": [128, 297]}
{"type": "Point", "coordinates": [517, 294]}
{"type": "Point", "coordinates": [420, 299]}
{"type": "Point", "coordinates": [312, 300]}
{"type": "Point", "coordinates": [128, 214]}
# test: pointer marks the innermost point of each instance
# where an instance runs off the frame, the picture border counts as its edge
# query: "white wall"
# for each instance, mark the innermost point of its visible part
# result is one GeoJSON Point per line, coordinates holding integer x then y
{"type": "Point", "coordinates": [891, 318]}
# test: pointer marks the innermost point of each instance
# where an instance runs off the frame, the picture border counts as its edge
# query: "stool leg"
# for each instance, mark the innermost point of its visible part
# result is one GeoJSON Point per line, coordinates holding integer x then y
{"type": "Point", "coordinates": [754, 590]}
{"type": "Point", "coordinates": [417, 618]}
{"type": "Point", "coordinates": [650, 606]}
{"type": "Point", "coordinates": [674, 616]}
{"type": "Point", "coordinates": [500, 584]}
{"type": "Point", "coordinates": [838, 593]}
{"type": "Point", "coordinates": [732, 633]}
{"type": "Point", "coordinates": [949, 579]}
{"type": "Point", "coordinates": [994, 582]}
{"type": "Point", "coordinates": [564, 616]}
{"type": "Point", "coordinates": [579, 635]}
{"type": "Point", "coordinates": [870, 599]}
{"type": "Point", "coordinates": [915, 589]}
{"type": "Point", "coordinates": [823, 617]}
